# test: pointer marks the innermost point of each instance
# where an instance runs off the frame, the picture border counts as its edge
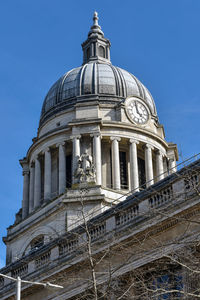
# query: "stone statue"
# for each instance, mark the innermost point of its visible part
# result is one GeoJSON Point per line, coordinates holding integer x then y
{"type": "Point", "coordinates": [85, 171]}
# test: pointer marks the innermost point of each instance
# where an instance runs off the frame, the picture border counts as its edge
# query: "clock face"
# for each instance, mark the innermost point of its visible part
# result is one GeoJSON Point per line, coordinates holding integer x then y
{"type": "Point", "coordinates": [137, 111]}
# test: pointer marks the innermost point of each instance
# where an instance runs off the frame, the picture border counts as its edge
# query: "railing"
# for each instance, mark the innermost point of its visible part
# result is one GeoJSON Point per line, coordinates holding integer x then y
{"type": "Point", "coordinates": [161, 197]}
{"type": "Point", "coordinates": [97, 231]}
{"type": "Point", "coordinates": [126, 216]}
{"type": "Point", "coordinates": [21, 271]}
{"type": "Point", "coordinates": [125, 213]}
{"type": "Point", "coordinates": [67, 247]}
{"type": "Point", "coordinates": [43, 259]}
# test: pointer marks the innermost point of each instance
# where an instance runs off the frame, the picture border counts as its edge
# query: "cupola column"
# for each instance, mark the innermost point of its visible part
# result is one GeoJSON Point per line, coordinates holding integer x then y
{"type": "Point", "coordinates": [115, 163]}
{"type": "Point", "coordinates": [31, 187]}
{"type": "Point", "coordinates": [159, 165]}
{"type": "Point", "coordinates": [25, 200]}
{"type": "Point", "coordinates": [134, 176]}
{"type": "Point", "coordinates": [76, 154]}
{"type": "Point", "coordinates": [148, 165]}
{"type": "Point", "coordinates": [37, 184]}
{"type": "Point", "coordinates": [97, 156]}
{"type": "Point", "coordinates": [47, 174]}
{"type": "Point", "coordinates": [62, 167]}
{"type": "Point", "coordinates": [25, 194]}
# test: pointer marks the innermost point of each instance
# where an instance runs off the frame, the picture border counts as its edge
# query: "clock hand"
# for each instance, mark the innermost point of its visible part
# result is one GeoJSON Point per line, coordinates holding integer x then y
{"type": "Point", "coordinates": [137, 110]}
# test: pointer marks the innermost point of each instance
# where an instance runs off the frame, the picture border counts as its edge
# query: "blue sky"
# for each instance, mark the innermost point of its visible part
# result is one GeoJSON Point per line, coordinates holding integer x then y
{"type": "Point", "coordinates": [158, 41]}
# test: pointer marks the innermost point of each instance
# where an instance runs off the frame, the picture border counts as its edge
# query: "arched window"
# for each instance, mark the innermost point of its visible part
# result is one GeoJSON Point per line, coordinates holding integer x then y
{"type": "Point", "coordinates": [88, 53]}
{"type": "Point", "coordinates": [37, 242]}
{"type": "Point", "coordinates": [101, 51]}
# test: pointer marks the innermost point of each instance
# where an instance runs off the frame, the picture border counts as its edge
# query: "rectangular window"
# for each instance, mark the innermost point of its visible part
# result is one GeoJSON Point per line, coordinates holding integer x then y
{"type": "Point", "coordinates": [141, 171]}
{"type": "Point", "coordinates": [123, 170]}
{"type": "Point", "coordinates": [68, 171]}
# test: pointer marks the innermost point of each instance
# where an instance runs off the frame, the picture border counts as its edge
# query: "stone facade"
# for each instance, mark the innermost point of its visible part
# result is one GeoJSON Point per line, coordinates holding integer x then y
{"type": "Point", "coordinates": [99, 140]}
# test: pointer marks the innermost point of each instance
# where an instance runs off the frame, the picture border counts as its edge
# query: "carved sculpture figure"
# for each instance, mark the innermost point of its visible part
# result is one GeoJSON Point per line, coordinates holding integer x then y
{"type": "Point", "coordinates": [85, 171]}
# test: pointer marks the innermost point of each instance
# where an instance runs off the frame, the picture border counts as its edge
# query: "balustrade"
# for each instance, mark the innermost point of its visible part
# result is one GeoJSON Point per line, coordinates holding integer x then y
{"type": "Point", "coordinates": [21, 271]}
{"type": "Point", "coordinates": [97, 231]}
{"type": "Point", "coordinates": [127, 215]}
{"type": "Point", "coordinates": [43, 259]}
{"type": "Point", "coordinates": [67, 247]}
{"type": "Point", "coordinates": [162, 197]}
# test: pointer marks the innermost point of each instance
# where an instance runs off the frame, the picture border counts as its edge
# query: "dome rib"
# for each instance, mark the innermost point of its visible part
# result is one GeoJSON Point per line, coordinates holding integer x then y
{"type": "Point", "coordinates": [123, 83]}
{"type": "Point", "coordinates": [117, 84]}
{"type": "Point", "coordinates": [106, 81]}
{"type": "Point", "coordinates": [81, 85]}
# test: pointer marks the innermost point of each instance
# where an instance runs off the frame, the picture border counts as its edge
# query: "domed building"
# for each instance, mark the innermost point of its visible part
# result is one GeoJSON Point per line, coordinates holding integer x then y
{"type": "Point", "coordinates": [105, 214]}
{"type": "Point", "coordinates": [98, 131]}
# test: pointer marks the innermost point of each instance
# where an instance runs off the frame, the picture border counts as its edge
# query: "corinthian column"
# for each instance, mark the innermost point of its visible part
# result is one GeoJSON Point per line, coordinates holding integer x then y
{"type": "Point", "coordinates": [75, 154]}
{"type": "Point", "coordinates": [25, 194]}
{"type": "Point", "coordinates": [148, 165]}
{"type": "Point", "coordinates": [134, 176]}
{"type": "Point", "coordinates": [115, 163]}
{"type": "Point", "coordinates": [37, 184]}
{"type": "Point", "coordinates": [25, 200]}
{"type": "Point", "coordinates": [159, 166]}
{"type": "Point", "coordinates": [47, 174]}
{"type": "Point", "coordinates": [62, 167]}
{"type": "Point", "coordinates": [97, 156]}
{"type": "Point", "coordinates": [31, 187]}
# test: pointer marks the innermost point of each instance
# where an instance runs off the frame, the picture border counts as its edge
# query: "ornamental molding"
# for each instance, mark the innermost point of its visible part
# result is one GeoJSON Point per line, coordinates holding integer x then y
{"type": "Point", "coordinates": [115, 138]}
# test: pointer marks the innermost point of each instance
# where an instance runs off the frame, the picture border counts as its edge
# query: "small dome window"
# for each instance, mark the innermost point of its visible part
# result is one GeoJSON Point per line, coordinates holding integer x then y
{"type": "Point", "coordinates": [37, 242]}
{"type": "Point", "coordinates": [88, 53]}
{"type": "Point", "coordinates": [101, 51]}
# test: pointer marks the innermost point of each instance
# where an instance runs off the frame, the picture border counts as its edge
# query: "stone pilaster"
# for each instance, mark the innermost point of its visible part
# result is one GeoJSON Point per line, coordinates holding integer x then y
{"type": "Point", "coordinates": [115, 163]}
{"type": "Point", "coordinates": [75, 154]}
{"type": "Point", "coordinates": [97, 156]}
{"type": "Point", "coordinates": [25, 200]}
{"type": "Point", "coordinates": [37, 183]}
{"type": "Point", "coordinates": [149, 165]}
{"type": "Point", "coordinates": [47, 174]}
{"type": "Point", "coordinates": [134, 175]}
{"type": "Point", "coordinates": [31, 187]}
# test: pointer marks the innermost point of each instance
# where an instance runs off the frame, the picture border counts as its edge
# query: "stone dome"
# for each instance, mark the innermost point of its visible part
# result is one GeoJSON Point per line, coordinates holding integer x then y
{"type": "Point", "coordinates": [97, 79]}
{"type": "Point", "coordinates": [100, 81]}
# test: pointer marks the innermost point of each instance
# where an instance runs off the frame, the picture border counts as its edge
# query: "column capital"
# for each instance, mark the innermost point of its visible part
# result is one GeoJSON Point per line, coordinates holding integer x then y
{"type": "Point", "coordinates": [46, 150]}
{"type": "Point", "coordinates": [60, 144]}
{"type": "Point", "coordinates": [148, 146]}
{"type": "Point", "coordinates": [159, 152]}
{"type": "Point", "coordinates": [25, 172]}
{"type": "Point", "coordinates": [96, 134]}
{"type": "Point", "coordinates": [113, 138]}
{"type": "Point", "coordinates": [77, 136]}
{"type": "Point", "coordinates": [37, 156]}
{"type": "Point", "coordinates": [32, 163]}
{"type": "Point", "coordinates": [170, 159]}
{"type": "Point", "coordinates": [24, 163]}
{"type": "Point", "coordinates": [25, 166]}
{"type": "Point", "coordinates": [133, 141]}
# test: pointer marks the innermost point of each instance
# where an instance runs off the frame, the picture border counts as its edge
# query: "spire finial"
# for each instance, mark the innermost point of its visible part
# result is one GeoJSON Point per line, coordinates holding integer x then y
{"type": "Point", "coordinates": [95, 29]}
{"type": "Point", "coordinates": [96, 47]}
{"type": "Point", "coordinates": [95, 18]}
